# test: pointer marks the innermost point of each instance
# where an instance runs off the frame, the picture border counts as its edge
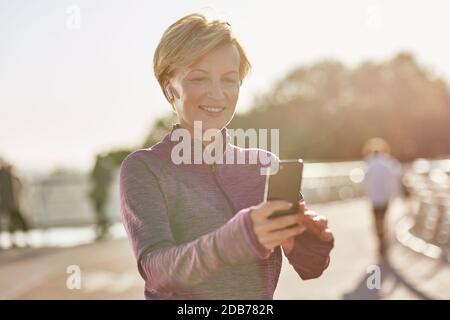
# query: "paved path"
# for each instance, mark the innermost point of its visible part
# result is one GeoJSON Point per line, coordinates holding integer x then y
{"type": "Point", "coordinates": [404, 274]}
{"type": "Point", "coordinates": [108, 268]}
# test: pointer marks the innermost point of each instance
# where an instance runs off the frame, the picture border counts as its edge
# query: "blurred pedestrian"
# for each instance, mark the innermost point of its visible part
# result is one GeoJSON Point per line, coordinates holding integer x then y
{"type": "Point", "coordinates": [10, 188]}
{"type": "Point", "coordinates": [382, 182]}
{"type": "Point", "coordinates": [101, 178]}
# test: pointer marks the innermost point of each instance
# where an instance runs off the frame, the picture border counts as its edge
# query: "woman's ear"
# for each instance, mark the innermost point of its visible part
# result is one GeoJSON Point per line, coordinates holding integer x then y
{"type": "Point", "coordinates": [169, 93]}
{"type": "Point", "coordinates": [174, 92]}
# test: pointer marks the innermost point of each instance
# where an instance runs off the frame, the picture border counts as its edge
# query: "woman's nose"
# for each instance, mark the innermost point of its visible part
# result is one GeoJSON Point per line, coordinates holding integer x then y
{"type": "Point", "coordinates": [216, 91]}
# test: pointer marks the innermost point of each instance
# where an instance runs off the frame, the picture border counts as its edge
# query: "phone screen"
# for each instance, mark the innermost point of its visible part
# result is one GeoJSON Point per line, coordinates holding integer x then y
{"type": "Point", "coordinates": [285, 185]}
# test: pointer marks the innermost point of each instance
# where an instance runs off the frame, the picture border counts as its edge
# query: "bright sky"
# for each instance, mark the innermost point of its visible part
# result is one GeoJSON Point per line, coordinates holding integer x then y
{"type": "Point", "coordinates": [68, 93]}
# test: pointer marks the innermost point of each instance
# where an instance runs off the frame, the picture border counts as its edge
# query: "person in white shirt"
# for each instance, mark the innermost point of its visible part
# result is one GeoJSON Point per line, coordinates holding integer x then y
{"type": "Point", "coordinates": [382, 183]}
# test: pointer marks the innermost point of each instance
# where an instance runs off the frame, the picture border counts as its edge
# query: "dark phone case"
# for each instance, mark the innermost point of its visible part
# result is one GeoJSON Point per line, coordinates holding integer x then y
{"type": "Point", "coordinates": [285, 185]}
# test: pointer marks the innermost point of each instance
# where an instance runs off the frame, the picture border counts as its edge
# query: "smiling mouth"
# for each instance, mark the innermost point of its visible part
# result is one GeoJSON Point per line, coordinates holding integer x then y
{"type": "Point", "coordinates": [212, 109]}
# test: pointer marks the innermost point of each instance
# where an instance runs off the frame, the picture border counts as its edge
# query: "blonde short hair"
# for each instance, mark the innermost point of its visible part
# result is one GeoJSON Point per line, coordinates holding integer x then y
{"type": "Point", "coordinates": [187, 40]}
{"type": "Point", "coordinates": [376, 144]}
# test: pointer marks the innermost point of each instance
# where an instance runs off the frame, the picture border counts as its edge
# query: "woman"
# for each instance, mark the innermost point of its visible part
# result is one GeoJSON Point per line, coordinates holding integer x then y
{"type": "Point", "coordinates": [201, 230]}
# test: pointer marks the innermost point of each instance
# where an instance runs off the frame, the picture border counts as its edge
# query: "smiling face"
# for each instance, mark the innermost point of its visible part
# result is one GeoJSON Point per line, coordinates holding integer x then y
{"type": "Point", "coordinates": [208, 89]}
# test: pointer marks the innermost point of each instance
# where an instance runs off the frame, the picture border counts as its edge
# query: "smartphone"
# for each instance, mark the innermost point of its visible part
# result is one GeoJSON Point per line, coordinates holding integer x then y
{"type": "Point", "coordinates": [285, 185]}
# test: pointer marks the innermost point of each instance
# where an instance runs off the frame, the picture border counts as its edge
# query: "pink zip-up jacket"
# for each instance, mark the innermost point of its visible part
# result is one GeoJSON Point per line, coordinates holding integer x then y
{"type": "Point", "coordinates": [190, 228]}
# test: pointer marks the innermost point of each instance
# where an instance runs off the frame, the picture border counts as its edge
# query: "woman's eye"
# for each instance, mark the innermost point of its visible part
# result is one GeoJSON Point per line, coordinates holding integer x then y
{"type": "Point", "coordinates": [199, 79]}
{"type": "Point", "coordinates": [230, 81]}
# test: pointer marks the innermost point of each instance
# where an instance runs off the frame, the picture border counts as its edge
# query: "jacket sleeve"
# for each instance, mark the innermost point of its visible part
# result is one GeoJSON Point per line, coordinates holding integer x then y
{"type": "Point", "coordinates": [310, 256]}
{"type": "Point", "coordinates": [166, 265]}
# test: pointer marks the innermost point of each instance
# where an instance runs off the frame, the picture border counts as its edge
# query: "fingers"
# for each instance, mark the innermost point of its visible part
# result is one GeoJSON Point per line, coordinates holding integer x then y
{"type": "Point", "coordinates": [277, 237]}
{"type": "Point", "coordinates": [315, 224]}
{"type": "Point", "coordinates": [302, 205]}
{"type": "Point", "coordinates": [265, 209]}
{"type": "Point", "coordinates": [326, 235]}
{"type": "Point", "coordinates": [313, 216]}
{"type": "Point", "coordinates": [273, 232]}
{"type": "Point", "coordinates": [321, 220]}
{"type": "Point", "coordinates": [303, 210]}
{"type": "Point", "coordinates": [279, 223]}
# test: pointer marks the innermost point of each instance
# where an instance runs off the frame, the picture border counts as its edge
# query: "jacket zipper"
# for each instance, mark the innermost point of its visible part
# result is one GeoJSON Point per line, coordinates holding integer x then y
{"type": "Point", "coordinates": [230, 204]}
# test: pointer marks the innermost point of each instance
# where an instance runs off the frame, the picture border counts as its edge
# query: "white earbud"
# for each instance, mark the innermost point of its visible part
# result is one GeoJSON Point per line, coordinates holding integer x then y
{"type": "Point", "coordinates": [169, 92]}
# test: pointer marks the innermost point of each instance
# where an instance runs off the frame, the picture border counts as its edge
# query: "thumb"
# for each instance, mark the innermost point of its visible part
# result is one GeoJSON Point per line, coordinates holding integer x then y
{"type": "Point", "coordinates": [301, 207]}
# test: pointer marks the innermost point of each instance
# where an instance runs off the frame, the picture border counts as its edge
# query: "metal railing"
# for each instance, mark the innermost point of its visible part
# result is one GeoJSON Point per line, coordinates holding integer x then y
{"type": "Point", "coordinates": [63, 200]}
{"type": "Point", "coordinates": [429, 186]}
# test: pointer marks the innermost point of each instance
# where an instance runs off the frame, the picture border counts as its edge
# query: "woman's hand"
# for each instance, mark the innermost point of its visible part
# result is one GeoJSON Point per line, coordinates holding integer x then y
{"type": "Point", "coordinates": [270, 232]}
{"type": "Point", "coordinates": [315, 224]}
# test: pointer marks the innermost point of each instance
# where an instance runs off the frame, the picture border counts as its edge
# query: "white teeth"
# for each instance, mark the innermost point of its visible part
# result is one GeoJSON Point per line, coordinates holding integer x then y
{"type": "Point", "coordinates": [212, 109]}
